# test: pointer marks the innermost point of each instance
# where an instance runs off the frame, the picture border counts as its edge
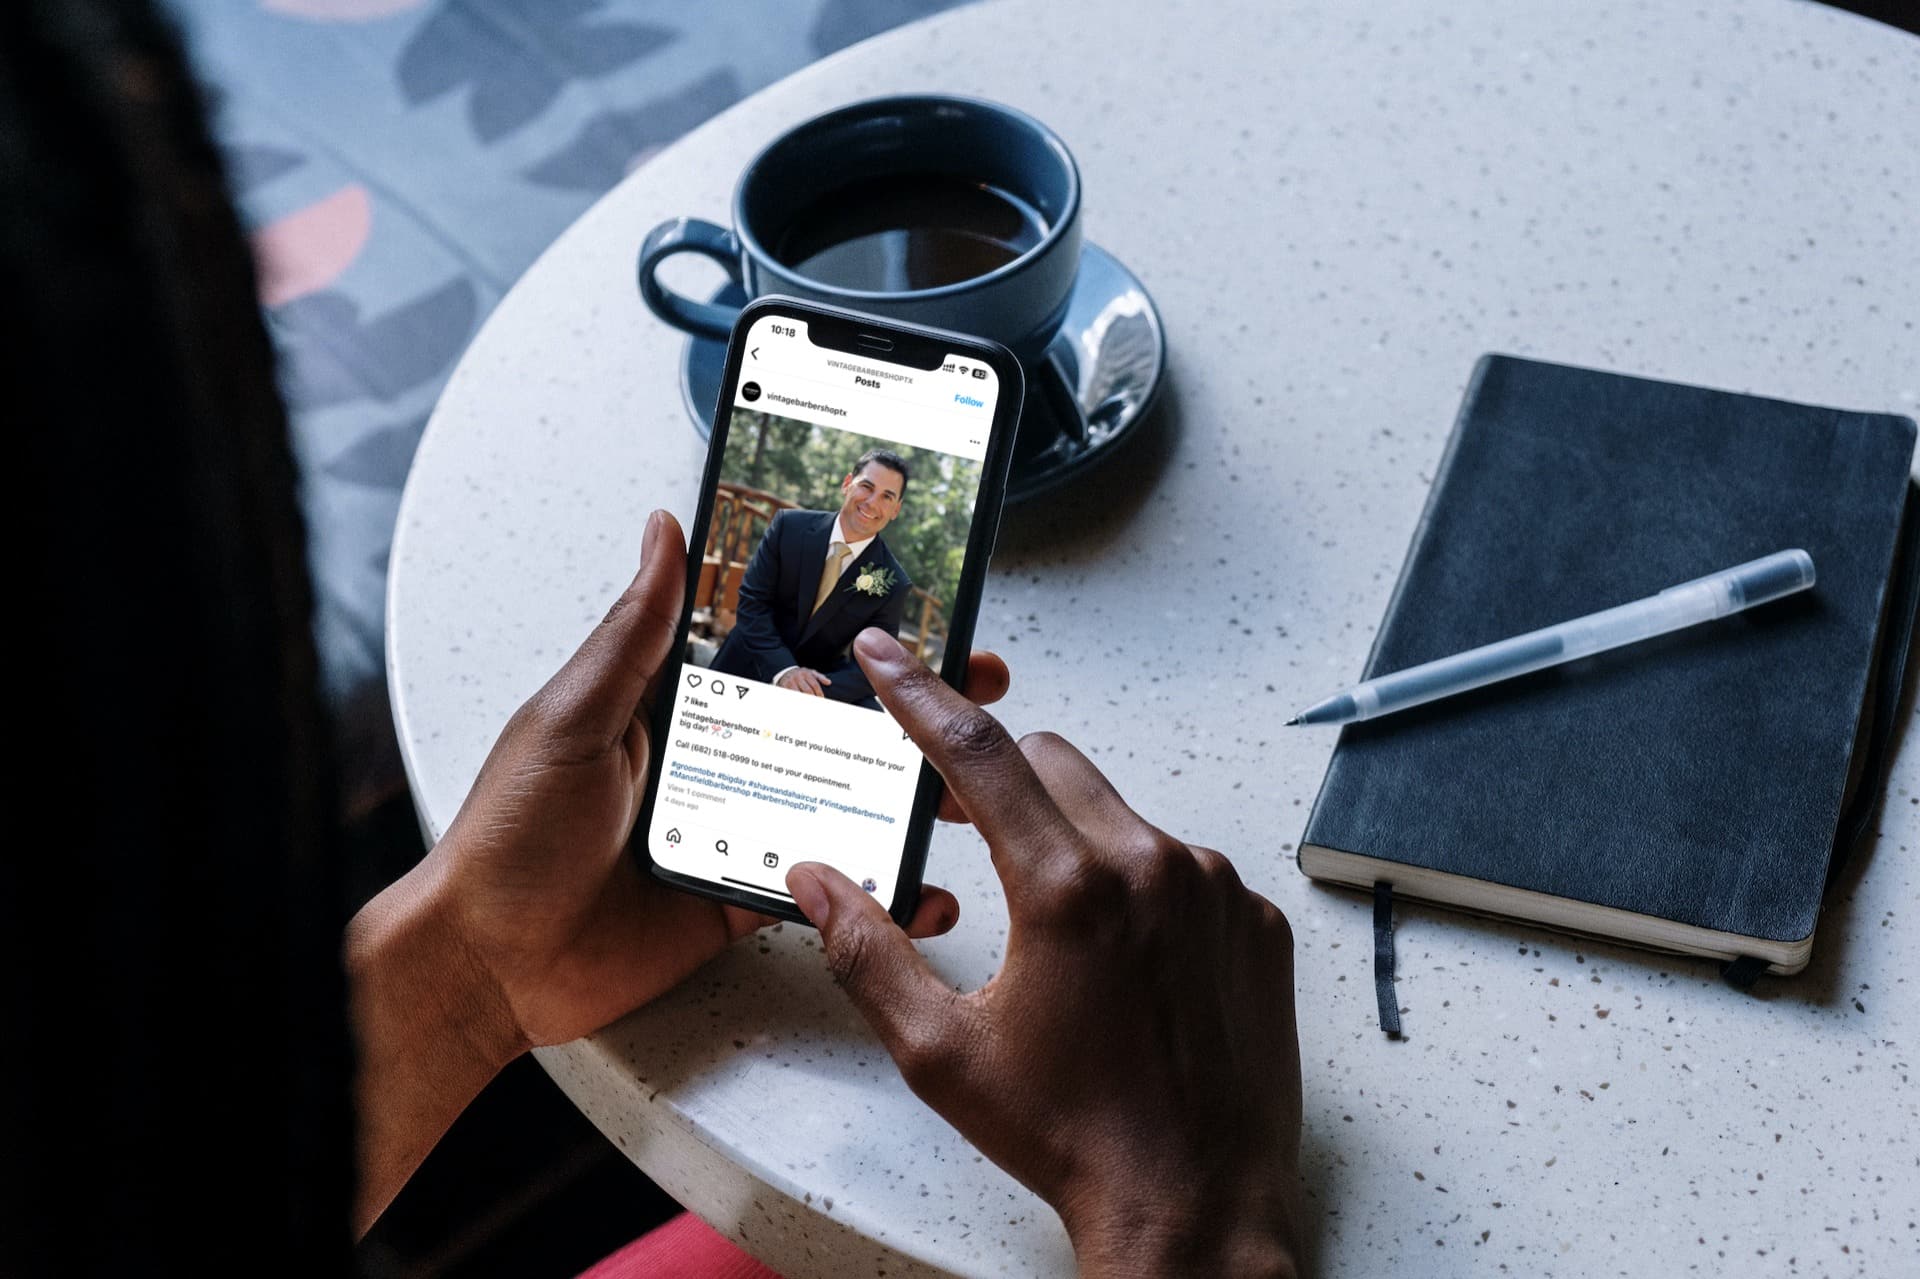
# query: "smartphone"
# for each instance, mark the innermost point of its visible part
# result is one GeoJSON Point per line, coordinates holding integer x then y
{"type": "Point", "coordinates": [854, 478]}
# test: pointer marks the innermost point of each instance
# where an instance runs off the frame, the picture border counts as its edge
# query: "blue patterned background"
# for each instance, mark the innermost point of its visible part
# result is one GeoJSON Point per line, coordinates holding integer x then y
{"type": "Point", "coordinates": [400, 163]}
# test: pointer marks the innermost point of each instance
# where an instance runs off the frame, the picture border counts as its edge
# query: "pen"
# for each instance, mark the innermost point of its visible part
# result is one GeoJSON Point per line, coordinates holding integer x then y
{"type": "Point", "coordinates": [1688, 604]}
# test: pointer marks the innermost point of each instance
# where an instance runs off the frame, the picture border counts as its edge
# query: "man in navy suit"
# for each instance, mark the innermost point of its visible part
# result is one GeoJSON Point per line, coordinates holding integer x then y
{"type": "Point", "coordinates": [817, 579]}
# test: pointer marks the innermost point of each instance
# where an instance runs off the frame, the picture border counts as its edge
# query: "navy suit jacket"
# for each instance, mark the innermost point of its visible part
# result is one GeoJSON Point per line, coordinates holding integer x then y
{"type": "Point", "coordinates": [774, 631]}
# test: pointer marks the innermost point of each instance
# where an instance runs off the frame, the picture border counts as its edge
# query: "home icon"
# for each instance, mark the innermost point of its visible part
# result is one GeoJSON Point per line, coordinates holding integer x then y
{"type": "Point", "coordinates": [673, 836]}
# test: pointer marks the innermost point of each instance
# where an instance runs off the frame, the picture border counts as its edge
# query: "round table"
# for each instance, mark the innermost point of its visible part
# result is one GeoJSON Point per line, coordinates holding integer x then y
{"type": "Point", "coordinates": [1337, 208]}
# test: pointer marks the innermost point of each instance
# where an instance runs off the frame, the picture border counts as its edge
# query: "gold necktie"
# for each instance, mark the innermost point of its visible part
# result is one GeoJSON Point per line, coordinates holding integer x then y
{"type": "Point", "coordinates": [836, 556]}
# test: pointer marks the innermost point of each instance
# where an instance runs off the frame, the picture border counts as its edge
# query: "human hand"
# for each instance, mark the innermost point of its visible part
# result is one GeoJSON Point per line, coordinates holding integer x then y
{"type": "Point", "coordinates": [1134, 1061]}
{"type": "Point", "coordinates": [530, 922]}
{"type": "Point", "coordinates": [804, 680]}
{"type": "Point", "coordinates": [561, 920]}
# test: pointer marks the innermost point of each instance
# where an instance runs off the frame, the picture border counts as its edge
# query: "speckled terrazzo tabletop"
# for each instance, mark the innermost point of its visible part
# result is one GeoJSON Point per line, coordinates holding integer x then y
{"type": "Point", "coordinates": [1338, 208]}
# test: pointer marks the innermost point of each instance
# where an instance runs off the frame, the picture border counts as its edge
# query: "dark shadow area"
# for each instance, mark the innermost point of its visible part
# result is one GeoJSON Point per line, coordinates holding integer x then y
{"type": "Point", "coordinates": [521, 1185]}
{"type": "Point", "coordinates": [1903, 14]}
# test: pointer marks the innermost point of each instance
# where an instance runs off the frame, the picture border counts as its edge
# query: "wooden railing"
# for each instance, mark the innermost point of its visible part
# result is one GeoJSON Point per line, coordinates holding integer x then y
{"type": "Point", "coordinates": [740, 517]}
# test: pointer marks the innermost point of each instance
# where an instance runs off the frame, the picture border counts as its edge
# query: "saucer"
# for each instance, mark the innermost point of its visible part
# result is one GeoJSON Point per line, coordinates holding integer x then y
{"type": "Point", "coordinates": [1096, 380]}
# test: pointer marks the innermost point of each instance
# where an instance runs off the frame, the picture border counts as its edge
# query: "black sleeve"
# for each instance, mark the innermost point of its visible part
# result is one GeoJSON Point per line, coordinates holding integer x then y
{"type": "Point", "coordinates": [759, 637]}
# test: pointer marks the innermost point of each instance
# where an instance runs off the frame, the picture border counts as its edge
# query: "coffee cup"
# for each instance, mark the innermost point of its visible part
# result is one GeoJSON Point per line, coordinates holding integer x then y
{"type": "Point", "coordinates": [945, 211]}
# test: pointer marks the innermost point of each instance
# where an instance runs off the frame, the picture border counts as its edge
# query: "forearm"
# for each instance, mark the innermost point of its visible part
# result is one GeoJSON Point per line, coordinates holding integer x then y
{"type": "Point", "coordinates": [431, 1031]}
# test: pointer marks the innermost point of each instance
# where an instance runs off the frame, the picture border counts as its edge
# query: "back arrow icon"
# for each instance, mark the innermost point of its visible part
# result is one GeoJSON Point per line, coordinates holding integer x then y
{"type": "Point", "coordinates": [754, 352]}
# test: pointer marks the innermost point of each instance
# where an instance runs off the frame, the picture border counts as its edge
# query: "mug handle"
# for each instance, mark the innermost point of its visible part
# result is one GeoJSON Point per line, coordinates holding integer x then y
{"type": "Point", "coordinates": [689, 235]}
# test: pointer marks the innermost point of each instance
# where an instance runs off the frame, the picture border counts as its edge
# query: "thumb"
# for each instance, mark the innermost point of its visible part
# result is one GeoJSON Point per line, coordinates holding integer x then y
{"type": "Point", "coordinates": [602, 684]}
{"type": "Point", "coordinates": [909, 1007]}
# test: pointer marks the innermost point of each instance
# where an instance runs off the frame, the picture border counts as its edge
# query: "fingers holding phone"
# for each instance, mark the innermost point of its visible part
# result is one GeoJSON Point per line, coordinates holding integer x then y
{"type": "Point", "coordinates": [1135, 1059]}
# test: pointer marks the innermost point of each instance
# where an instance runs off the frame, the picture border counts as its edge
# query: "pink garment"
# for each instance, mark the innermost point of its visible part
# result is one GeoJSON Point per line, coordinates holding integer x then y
{"type": "Point", "coordinates": [684, 1248]}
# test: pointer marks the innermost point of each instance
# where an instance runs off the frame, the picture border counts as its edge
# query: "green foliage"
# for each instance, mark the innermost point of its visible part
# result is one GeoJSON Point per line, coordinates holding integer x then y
{"type": "Point", "coordinates": [804, 464]}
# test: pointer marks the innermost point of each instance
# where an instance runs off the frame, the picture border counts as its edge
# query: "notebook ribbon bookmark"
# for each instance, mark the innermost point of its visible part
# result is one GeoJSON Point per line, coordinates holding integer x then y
{"type": "Point", "coordinates": [1383, 959]}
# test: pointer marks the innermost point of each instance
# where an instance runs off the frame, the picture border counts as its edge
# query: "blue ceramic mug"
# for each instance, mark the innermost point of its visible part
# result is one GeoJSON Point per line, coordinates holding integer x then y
{"type": "Point", "coordinates": [944, 211]}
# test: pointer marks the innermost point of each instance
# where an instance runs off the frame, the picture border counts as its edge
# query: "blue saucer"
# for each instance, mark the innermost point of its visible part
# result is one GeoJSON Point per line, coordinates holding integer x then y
{"type": "Point", "coordinates": [1097, 379]}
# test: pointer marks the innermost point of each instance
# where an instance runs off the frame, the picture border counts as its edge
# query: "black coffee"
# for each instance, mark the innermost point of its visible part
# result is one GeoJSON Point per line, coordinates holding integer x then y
{"type": "Point", "coordinates": [908, 231]}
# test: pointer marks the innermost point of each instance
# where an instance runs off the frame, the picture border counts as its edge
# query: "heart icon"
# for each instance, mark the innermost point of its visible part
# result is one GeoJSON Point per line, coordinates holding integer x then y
{"type": "Point", "coordinates": [693, 681]}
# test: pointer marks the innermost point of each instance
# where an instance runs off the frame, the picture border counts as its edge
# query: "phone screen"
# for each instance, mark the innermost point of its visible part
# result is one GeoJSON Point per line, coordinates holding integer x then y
{"type": "Point", "coordinates": [845, 496]}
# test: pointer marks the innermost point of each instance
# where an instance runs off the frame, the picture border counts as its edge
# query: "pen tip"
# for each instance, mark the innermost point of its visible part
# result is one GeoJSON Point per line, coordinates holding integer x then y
{"type": "Point", "coordinates": [1290, 723]}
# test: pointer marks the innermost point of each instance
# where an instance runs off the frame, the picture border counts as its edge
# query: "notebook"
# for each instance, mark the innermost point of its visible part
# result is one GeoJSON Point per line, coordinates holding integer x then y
{"type": "Point", "coordinates": [1688, 793]}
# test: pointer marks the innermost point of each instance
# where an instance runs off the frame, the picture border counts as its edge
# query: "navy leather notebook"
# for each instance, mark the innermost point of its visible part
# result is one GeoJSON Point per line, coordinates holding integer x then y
{"type": "Point", "coordinates": [1687, 793]}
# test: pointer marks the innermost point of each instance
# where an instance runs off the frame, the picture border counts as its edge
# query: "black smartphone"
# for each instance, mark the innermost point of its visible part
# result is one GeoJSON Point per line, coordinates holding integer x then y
{"type": "Point", "coordinates": [854, 478]}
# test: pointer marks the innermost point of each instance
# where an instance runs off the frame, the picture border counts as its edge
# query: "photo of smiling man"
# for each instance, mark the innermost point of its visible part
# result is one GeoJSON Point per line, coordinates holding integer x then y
{"type": "Point", "coordinates": [817, 579]}
{"type": "Point", "coordinates": [817, 533]}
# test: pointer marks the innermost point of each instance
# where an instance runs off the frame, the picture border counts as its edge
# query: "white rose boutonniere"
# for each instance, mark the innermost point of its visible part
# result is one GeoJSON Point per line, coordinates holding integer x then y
{"type": "Point", "coordinates": [873, 580]}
